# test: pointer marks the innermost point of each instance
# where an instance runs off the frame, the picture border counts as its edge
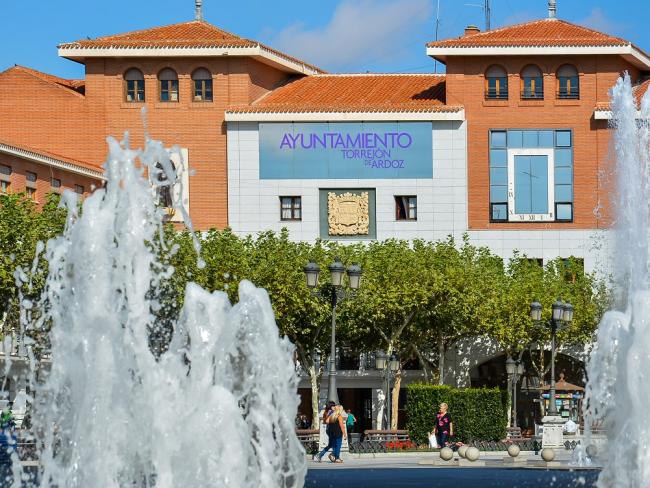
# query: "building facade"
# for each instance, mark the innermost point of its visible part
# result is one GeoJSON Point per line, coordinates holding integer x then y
{"type": "Point", "coordinates": [510, 146]}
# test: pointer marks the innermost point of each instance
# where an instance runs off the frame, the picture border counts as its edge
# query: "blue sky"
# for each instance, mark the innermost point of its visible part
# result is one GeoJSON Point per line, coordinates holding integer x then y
{"type": "Point", "coordinates": [337, 35]}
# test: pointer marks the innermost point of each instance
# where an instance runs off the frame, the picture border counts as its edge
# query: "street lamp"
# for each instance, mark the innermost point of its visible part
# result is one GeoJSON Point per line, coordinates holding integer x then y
{"type": "Point", "coordinates": [561, 316]}
{"type": "Point", "coordinates": [515, 370]}
{"type": "Point", "coordinates": [388, 366]}
{"type": "Point", "coordinates": [334, 292]}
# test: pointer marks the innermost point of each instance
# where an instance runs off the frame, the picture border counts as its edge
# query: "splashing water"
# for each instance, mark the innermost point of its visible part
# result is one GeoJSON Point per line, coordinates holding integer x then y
{"type": "Point", "coordinates": [618, 391]}
{"type": "Point", "coordinates": [216, 409]}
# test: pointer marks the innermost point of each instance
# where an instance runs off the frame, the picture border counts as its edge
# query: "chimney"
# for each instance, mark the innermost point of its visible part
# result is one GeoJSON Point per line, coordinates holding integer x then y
{"type": "Point", "coordinates": [198, 9]}
{"type": "Point", "coordinates": [552, 9]}
{"type": "Point", "coordinates": [470, 30]}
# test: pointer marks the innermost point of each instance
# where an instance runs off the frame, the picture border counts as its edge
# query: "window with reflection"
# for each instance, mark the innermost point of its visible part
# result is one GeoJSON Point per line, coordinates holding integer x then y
{"type": "Point", "coordinates": [532, 83]}
{"type": "Point", "coordinates": [568, 82]}
{"type": "Point", "coordinates": [496, 83]}
{"type": "Point", "coordinates": [202, 81]}
{"type": "Point", "coordinates": [168, 80]}
{"type": "Point", "coordinates": [134, 85]}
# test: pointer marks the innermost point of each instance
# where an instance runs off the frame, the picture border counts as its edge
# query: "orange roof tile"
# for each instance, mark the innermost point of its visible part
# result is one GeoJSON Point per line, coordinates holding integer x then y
{"type": "Point", "coordinates": [74, 85]}
{"type": "Point", "coordinates": [640, 90]}
{"type": "Point", "coordinates": [193, 34]}
{"type": "Point", "coordinates": [538, 33]}
{"type": "Point", "coordinates": [356, 93]}
{"type": "Point", "coordinates": [22, 148]}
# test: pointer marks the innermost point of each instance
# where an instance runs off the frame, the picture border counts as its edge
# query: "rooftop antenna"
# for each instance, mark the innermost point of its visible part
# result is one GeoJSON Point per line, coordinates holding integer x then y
{"type": "Point", "coordinates": [486, 10]}
{"type": "Point", "coordinates": [198, 10]}
{"type": "Point", "coordinates": [552, 9]}
{"type": "Point", "coordinates": [435, 61]}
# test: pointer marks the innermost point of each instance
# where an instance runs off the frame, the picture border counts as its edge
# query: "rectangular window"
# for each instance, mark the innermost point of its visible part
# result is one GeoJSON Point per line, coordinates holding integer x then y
{"type": "Point", "coordinates": [31, 193]}
{"type": "Point", "coordinates": [568, 87]}
{"type": "Point", "coordinates": [533, 88]}
{"type": "Point", "coordinates": [56, 183]}
{"type": "Point", "coordinates": [5, 186]}
{"type": "Point", "coordinates": [496, 88]}
{"type": "Point", "coordinates": [79, 189]}
{"type": "Point", "coordinates": [202, 90]}
{"type": "Point", "coordinates": [135, 90]}
{"type": "Point", "coordinates": [406, 207]}
{"type": "Point", "coordinates": [30, 176]}
{"type": "Point", "coordinates": [169, 90]}
{"type": "Point", "coordinates": [5, 170]}
{"type": "Point", "coordinates": [290, 208]}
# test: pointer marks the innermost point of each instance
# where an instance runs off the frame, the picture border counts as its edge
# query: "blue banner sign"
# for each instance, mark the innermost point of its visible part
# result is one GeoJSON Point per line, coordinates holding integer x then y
{"type": "Point", "coordinates": [346, 150]}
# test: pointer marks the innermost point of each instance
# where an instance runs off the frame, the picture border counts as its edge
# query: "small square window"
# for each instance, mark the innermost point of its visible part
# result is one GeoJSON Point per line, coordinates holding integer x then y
{"type": "Point", "coordinates": [564, 193]}
{"type": "Point", "coordinates": [56, 183]}
{"type": "Point", "coordinates": [515, 139]}
{"type": "Point", "coordinates": [499, 212]}
{"type": "Point", "coordinates": [5, 170]}
{"type": "Point", "coordinates": [5, 186]}
{"type": "Point", "coordinates": [406, 207]}
{"type": "Point", "coordinates": [31, 193]}
{"type": "Point", "coordinates": [564, 212]}
{"type": "Point", "coordinates": [563, 138]}
{"type": "Point", "coordinates": [290, 208]}
{"type": "Point", "coordinates": [498, 193]}
{"type": "Point", "coordinates": [30, 176]}
{"type": "Point", "coordinates": [498, 158]}
{"type": "Point", "coordinates": [498, 176]}
{"type": "Point", "coordinates": [545, 138]}
{"type": "Point", "coordinates": [531, 138]}
{"type": "Point", "coordinates": [498, 138]}
{"type": "Point", "coordinates": [79, 189]}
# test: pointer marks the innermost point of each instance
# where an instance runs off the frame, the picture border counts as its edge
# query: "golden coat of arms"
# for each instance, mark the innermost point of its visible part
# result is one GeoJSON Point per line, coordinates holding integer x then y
{"type": "Point", "coordinates": [348, 214]}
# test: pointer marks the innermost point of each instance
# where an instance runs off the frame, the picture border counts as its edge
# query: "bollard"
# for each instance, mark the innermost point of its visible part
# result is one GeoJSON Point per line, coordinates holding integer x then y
{"type": "Point", "coordinates": [514, 450]}
{"type": "Point", "coordinates": [548, 454]}
{"type": "Point", "coordinates": [446, 454]}
{"type": "Point", "coordinates": [472, 454]}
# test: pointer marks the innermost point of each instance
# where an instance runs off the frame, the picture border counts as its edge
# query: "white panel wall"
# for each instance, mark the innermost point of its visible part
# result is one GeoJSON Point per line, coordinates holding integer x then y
{"type": "Point", "coordinates": [254, 205]}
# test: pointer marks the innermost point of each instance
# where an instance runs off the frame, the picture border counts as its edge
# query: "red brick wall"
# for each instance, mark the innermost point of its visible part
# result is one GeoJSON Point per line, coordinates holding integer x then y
{"type": "Point", "coordinates": [44, 173]}
{"type": "Point", "coordinates": [466, 86]}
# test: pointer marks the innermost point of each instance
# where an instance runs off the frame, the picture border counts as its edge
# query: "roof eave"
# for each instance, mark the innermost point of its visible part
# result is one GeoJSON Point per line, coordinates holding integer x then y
{"type": "Point", "coordinates": [629, 52]}
{"type": "Point", "coordinates": [261, 53]}
{"type": "Point", "coordinates": [50, 161]}
{"type": "Point", "coordinates": [334, 116]}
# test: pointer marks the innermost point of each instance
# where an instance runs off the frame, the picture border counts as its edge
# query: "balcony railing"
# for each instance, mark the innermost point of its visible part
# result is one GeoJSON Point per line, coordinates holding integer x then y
{"type": "Point", "coordinates": [532, 95]}
{"type": "Point", "coordinates": [491, 94]}
{"type": "Point", "coordinates": [568, 95]}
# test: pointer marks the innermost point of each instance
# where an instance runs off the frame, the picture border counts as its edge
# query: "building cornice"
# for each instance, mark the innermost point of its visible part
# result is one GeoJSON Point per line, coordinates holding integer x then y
{"type": "Point", "coordinates": [50, 161]}
{"type": "Point", "coordinates": [234, 116]}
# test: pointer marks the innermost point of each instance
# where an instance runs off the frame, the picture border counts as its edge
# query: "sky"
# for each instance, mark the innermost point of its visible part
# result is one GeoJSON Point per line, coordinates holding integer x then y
{"type": "Point", "coordinates": [336, 35]}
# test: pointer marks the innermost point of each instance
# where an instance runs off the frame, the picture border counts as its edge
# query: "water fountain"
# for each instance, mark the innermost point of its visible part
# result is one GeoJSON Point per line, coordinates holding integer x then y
{"type": "Point", "coordinates": [214, 409]}
{"type": "Point", "coordinates": [618, 393]}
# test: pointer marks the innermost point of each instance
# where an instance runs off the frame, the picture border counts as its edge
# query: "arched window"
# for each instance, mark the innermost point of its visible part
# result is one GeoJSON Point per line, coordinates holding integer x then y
{"type": "Point", "coordinates": [202, 80]}
{"type": "Point", "coordinates": [496, 83]}
{"type": "Point", "coordinates": [134, 85]}
{"type": "Point", "coordinates": [568, 82]}
{"type": "Point", "coordinates": [532, 83]}
{"type": "Point", "coordinates": [168, 80]}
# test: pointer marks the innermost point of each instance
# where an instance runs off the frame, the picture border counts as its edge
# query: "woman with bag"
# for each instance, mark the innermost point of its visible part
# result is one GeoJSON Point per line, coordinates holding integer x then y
{"type": "Point", "coordinates": [336, 434]}
{"type": "Point", "coordinates": [444, 427]}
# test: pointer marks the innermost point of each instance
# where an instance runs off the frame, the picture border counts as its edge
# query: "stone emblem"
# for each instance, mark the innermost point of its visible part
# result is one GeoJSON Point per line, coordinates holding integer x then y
{"type": "Point", "coordinates": [348, 214]}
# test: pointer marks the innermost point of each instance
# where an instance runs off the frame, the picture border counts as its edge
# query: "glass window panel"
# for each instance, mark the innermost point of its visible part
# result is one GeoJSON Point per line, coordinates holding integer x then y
{"type": "Point", "coordinates": [531, 138]}
{"type": "Point", "coordinates": [563, 157]}
{"type": "Point", "coordinates": [563, 176]}
{"type": "Point", "coordinates": [531, 184]}
{"type": "Point", "coordinates": [498, 138]}
{"type": "Point", "coordinates": [563, 193]}
{"type": "Point", "coordinates": [498, 193]}
{"type": "Point", "coordinates": [56, 183]}
{"type": "Point", "coordinates": [498, 176]}
{"type": "Point", "coordinates": [498, 158]}
{"type": "Point", "coordinates": [545, 138]}
{"type": "Point", "coordinates": [564, 211]}
{"type": "Point", "coordinates": [563, 138]}
{"type": "Point", "coordinates": [5, 170]}
{"type": "Point", "coordinates": [500, 211]}
{"type": "Point", "coordinates": [515, 138]}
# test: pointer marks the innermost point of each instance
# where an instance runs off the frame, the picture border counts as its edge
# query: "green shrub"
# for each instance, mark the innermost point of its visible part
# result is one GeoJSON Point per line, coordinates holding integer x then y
{"type": "Point", "coordinates": [477, 413]}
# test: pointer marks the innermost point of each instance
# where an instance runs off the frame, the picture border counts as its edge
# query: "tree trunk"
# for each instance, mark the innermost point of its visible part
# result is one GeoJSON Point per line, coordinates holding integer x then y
{"type": "Point", "coordinates": [441, 361]}
{"type": "Point", "coordinates": [315, 392]}
{"type": "Point", "coordinates": [394, 406]}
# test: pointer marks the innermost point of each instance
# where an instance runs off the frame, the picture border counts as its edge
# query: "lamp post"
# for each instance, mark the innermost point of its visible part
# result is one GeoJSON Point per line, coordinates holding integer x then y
{"type": "Point", "coordinates": [389, 366]}
{"type": "Point", "coordinates": [561, 317]}
{"type": "Point", "coordinates": [335, 293]}
{"type": "Point", "coordinates": [515, 370]}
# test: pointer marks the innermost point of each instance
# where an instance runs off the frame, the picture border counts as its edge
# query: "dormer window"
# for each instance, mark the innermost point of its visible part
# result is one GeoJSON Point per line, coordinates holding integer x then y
{"type": "Point", "coordinates": [532, 83]}
{"type": "Point", "coordinates": [496, 83]}
{"type": "Point", "coordinates": [168, 80]}
{"type": "Point", "coordinates": [568, 82]}
{"type": "Point", "coordinates": [202, 80]}
{"type": "Point", "coordinates": [134, 85]}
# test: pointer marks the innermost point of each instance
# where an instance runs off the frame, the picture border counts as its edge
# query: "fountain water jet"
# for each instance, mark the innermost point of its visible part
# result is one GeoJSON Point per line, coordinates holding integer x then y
{"type": "Point", "coordinates": [216, 409]}
{"type": "Point", "coordinates": [618, 390]}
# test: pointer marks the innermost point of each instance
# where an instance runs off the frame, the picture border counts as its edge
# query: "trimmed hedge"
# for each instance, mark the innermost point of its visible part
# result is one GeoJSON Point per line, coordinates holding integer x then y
{"type": "Point", "coordinates": [477, 413]}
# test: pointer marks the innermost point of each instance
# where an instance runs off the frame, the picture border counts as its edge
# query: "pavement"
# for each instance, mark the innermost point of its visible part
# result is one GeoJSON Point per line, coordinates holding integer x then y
{"type": "Point", "coordinates": [417, 470]}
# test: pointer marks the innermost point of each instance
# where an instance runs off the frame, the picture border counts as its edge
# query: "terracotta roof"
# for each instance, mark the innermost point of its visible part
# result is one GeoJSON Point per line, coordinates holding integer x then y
{"type": "Point", "coordinates": [28, 151]}
{"type": "Point", "coordinates": [75, 85]}
{"type": "Point", "coordinates": [563, 385]}
{"type": "Point", "coordinates": [538, 33]}
{"type": "Point", "coordinates": [356, 93]}
{"type": "Point", "coordinates": [640, 90]}
{"type": "Point", "coordinates": [194, 34]}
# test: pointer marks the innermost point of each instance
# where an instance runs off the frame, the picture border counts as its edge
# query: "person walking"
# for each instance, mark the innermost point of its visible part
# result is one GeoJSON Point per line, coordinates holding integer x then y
{"type": "Point", "coordinates": [444, 427]}
{"type": "Point", "coordinates": [336, 434]}
{"type": "Point", "coordinates": [350, 421]}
